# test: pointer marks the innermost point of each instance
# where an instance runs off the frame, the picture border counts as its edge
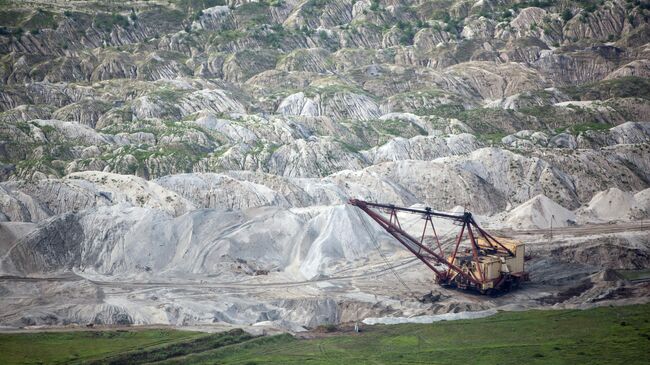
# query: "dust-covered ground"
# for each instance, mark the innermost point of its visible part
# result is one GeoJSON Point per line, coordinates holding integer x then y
{"type": "Point", "coordinates": [572, 267]}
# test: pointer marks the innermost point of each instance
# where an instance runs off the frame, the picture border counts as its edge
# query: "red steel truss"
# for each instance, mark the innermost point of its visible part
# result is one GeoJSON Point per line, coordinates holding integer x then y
{"type": "Point", "coordinates": [435, 258]}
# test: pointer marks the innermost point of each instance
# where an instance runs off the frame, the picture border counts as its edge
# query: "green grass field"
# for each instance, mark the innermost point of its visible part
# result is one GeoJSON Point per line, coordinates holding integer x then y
{"type": "Point", "coordinates": [70, 347]}
{"type": "Point", "coordinates": [608, 335]}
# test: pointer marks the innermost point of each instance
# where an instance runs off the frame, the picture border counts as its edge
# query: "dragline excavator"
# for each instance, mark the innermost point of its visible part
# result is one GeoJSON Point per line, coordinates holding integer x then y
{"type": "Point", "coordinates": [489, 265]}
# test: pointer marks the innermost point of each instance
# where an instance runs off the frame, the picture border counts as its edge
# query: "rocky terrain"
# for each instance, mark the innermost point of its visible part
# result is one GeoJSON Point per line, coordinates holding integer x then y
{"type": "Point", "coordinates": [188, 162]}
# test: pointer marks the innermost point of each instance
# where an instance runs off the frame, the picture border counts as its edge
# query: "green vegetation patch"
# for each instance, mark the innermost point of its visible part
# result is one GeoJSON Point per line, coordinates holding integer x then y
{"type": "Point", "coordinates": [583, 127]}
{"type": "Point", "coordinates": [426, 93]}
{"type": "Point", "coordinates": [379, 131]}
{"type": "Point", "coordinates": [491, 138]}
{"type": "Point", "coordinates": [177, 349]}
{"type": "Point", "coordinates": [606, 335]}
{"type": "Point", "coordinates": [162, 17]}
{"type": "Point", "coordinates": [253, 14]}
{"type": "Point", "coordinates": [624, 87]}
{"type": "Point", "coordinates": [643, 274]}
{"type": "Point", "coordinates": [190, 6]}
{"type": "Point", "coordinates": [82, 346]}
{"type": "Point", "coordinates": [399, 127]}
{"type": "Point", "coordinates": [329, 89]}
{"type": "Point", "coordinates": [167, 94]}
{"type": "Point", "coordinates": [106, 22]}
{"type": "Point", "coordinates": [483, 120]}
{"type": "Point", "coordinates": [41, 19]}
{"type": "Point", "coordinates": [12, 18]}
{"type": "Point", "coordinates": [225, 36]}
{"type": "Point", "coordinates": [313, 8]}
{"type": "Point", "coordinates": [16, 22]}
{"type": "Point", "coordinates": [232, 352]}
{"type": "Point", "coordinates": [407, 31]}
{"type": "Point", "coordinates": [275, 37]}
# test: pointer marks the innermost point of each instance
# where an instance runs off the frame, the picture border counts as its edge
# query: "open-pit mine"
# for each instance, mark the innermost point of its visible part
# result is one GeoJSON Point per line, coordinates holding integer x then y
{"type": "Point", "coordinates": [219, 164]}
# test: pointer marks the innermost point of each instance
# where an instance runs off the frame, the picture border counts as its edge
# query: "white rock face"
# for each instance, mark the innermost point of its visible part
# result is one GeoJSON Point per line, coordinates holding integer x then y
{"type": "Point", "coordinates": [75, 133]}
{"type": "Point", "coordinates": [496, 81]}
{"type": "Point", "coordinates": [121, 241]}
{"type": "Point", "coordinates": [630, 132]}
{"type": "Point", "coordinates": [134, 190]}
{"type": "Point", "coordinates": [313, 158]}
{"type": "Point", "coordinates": [339, 234]}
{"type": "Point", "coordinates": [431, 319]}
{"type": "Point", "coordinates": [422, 148]}
{"type": "Point", "coordinates": [314, 60]}
{"type": "Point", "coordinates": [83, 190]}
{"type": "Point", "coordinates": [11, 232]}
{"type": "Point", "coordinates": [643, 200]}
{"type": "Point", "coordinates": [162, 233]}
{"type": "Point", "coordinates": [214, 100]}
{"type": "Point", "coordinates": [539, 212]}
{"type": "Point", "coordinates": [341, 104]}
{"type": "Point", "coordinates": [213, 18]}
{"type": "Point", "coordinates": [480, 28]}
{"type": "Point", "coordinates": [359, 8]}
{"type": "Point", "coordinates": [640, 68]}
{"type": "Point", "coordinates": [221, 191]}
{"type": "Point", "coordinates": [527, 17]}
{"type": "Point", "coordinates": [298, 104]}
{"type": "Point", "coordinates": [234, 132]}
{"type": "Point", "coordinates": [615, 205]}
{"type": "Point", "coordinates": [16, 206]}
{"type": "Point", "coordinates": [528, 99]}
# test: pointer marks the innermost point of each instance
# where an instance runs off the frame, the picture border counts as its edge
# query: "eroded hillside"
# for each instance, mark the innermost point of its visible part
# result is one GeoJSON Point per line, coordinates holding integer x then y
{"type": "Point", "coordinates": [209, 146]}
{"type": "Point", "coordinates": [306, 89]}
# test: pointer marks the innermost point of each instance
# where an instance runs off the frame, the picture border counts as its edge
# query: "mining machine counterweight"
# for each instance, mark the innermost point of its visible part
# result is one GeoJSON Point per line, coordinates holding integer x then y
{"type": "Point", "coordinates": [489, 265]}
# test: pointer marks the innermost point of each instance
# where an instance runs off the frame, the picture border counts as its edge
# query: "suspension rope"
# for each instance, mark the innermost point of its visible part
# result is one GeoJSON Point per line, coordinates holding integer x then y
{"type": "Point", "coordinates": [378, 248]}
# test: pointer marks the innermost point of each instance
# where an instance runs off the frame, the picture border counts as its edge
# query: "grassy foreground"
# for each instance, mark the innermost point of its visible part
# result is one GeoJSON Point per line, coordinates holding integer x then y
{"type": "Point", "coordinates": [608, 335]}
{"type": "Point", "coordinates": [67, 347]}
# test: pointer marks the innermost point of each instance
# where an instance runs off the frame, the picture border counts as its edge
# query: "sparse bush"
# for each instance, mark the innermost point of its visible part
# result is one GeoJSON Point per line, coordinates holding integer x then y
{"type": "Point", "coordinates": [326, 328]}
{"type": "Point", "coordinates": [106, 22]}
{"type": "Point", "coordinates": [323, 36]}
{"type": "Point", "coordinates": [408, 32]}
{"type": "Point", "coordinates": [305, 30]}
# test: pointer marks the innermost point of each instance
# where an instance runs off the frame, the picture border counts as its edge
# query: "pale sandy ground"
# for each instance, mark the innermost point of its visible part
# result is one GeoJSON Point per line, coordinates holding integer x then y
{"type": "Point", "coordinates": [353, 293]}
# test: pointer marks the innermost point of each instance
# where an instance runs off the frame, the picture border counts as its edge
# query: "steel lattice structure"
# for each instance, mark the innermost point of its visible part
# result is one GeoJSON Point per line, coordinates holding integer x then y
{"type": "Point", "coordinates": [475, 271]}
